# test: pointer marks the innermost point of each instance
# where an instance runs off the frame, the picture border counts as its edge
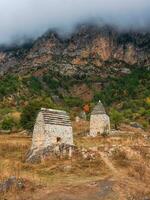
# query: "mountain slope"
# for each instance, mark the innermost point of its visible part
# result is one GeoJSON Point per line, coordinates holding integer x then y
{"type": "Point", "coordinates": [89, 48]}
{"type": "Point", "coordinates": [93, 63]}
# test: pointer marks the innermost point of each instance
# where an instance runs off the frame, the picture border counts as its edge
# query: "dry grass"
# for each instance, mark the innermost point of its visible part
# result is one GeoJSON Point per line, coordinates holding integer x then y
{"type": "Point", "coordinates": [78, 171]}
{"type": "Point", "coordinates": [120, 158]}
{"type": "Point", "coordinates": [12, 153]}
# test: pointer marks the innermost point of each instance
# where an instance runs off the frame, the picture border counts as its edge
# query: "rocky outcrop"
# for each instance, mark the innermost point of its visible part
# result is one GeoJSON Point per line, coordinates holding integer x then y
{"type": "Point", "coordinates": [88, 48]}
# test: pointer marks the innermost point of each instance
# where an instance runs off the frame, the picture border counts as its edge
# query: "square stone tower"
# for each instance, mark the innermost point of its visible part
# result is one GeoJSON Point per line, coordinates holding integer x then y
{"type": "Point", "coordinates": [52, 130]}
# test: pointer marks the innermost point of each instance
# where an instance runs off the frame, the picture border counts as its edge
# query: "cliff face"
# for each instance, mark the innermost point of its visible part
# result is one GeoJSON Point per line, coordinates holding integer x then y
{"type": "Point", "coordinates": [89, 50]}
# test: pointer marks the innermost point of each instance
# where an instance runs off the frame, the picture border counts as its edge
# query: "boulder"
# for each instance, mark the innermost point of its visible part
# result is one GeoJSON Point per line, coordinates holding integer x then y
{"type": "Point", "coordinates": [136, 125]}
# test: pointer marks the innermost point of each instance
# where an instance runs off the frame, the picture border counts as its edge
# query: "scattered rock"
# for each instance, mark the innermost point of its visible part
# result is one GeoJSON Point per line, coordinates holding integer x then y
{"type": "Point", "coordinates": [67, 168]}
{"type": "Point", "coordinates": [125, 71]}
{"type": "Point", "coordinates": [89, 154]}
{"type": "Point", "coordinates": [12, 182]}
{"type": "Point", "coordinates": [5, 131]}
{"type": "Point", "coordinates": [57, 150]}
{"type": "Point", "coordinates": [95, 149]}
{"type": "Point", "coordinates": [106, 187]}
{"type": "Point", "coordinates": [136, 125]}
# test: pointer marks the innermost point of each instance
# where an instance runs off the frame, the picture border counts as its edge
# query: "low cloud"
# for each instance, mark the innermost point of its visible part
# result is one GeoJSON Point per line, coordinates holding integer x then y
{"type": "Point", "coordinates": [21, 19]}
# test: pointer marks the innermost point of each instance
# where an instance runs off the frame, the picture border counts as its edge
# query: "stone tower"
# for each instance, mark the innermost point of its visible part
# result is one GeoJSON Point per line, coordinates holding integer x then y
{"type": "Point", "coordinates": [99, 121]}
{"type": "Point", "coordinates": [52, 130]}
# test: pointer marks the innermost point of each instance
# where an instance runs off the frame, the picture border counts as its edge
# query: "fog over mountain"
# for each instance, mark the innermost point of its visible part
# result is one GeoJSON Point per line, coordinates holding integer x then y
{"type": "Point", "coordinates": [21, 19]}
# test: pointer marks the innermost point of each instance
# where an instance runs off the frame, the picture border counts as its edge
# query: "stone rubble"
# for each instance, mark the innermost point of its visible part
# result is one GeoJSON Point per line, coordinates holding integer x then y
{"type": "Point", "coordinates": [10, 183]}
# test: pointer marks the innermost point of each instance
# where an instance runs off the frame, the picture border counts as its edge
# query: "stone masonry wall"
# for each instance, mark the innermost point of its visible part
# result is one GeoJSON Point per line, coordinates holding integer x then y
{"type": "Point", "coordinates": [52, 132]}
{"type": "Point", "coordinates": [38, 133]}
{"type": "Point", "coordinates": [99, 124]}
{"type": "Point", "coordinates": [45, 135]}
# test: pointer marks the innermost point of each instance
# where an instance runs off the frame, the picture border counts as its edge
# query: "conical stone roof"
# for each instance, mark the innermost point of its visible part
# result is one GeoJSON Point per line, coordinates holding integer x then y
{"type": "Point", "coordinates": [98, 109]}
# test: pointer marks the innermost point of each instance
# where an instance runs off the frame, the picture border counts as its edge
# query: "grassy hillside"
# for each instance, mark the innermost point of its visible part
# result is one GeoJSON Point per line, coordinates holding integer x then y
{"type": "Point", "coordinates": [128, 95]}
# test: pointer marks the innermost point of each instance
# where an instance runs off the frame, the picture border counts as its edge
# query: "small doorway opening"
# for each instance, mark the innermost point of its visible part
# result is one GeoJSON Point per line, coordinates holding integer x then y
{"type": "Point", "coordinates": [98, 133]}
{"type": "Point", "coordinates": [58, 139]}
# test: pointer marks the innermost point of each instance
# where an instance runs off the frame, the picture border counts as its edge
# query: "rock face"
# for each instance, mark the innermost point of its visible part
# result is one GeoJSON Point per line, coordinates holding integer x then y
{"type": "Point", "coordinates": [52, 133]}
{"type": "Point", "coordinates": [89, 49]}
{"type": "Point", "coordinates": [99, 121]}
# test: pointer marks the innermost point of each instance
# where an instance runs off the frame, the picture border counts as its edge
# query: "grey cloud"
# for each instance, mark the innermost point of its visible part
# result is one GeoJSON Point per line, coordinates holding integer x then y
{"type": "Point", "coordinates": [30, 18]}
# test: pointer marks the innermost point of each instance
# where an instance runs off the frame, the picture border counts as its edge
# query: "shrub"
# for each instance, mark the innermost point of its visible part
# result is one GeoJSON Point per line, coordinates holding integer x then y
{"type": "Point", "coordinates": [145, 124]}
{"type": "Point", "coordinates": [147, 113]}
{"type": "Point", "coordinates": [128, 113]}
{"type": "Point", "coordinates": [116, 117]}
{"type": "Point", "coordinates": [73, 101]}
{"type": "Point", "coordinates": [148, 101]}
{"type": "Point", "coordinates": [51, 82]}
{"type": "Point", "coordinates": [132, 86]}
{"type": "Point", "coordinates": [8, 123]}
{"type": "Point", "coordinates": [34, 84]}
{"type": "Point", "coordinates": [9, 85]}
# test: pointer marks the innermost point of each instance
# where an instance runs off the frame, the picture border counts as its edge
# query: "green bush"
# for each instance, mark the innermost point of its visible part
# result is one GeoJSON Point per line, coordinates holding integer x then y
{"type": "Point", "coordinates": [34, 84]}
{"type": "Point", "coordinates": [130, 87]}
{"type": "Point", "coordinates": [129, 93]}
{"type": "Point", "coordinates": [116, 117]}
{"type": "Point", "coordinates": [147, 113]}
{"type": "Point", "coordinates": [9, 85]}
{"type": "Point", "coordinates": [145, 124]}
{"type": "Point", "coordinates": [8, 123]}
{"type": "Point", "coordinates": [51, 82]}
{"type": "Point", "coordinates": [127, 114]}
{"type": "Point", "coordinates": [73, 101]}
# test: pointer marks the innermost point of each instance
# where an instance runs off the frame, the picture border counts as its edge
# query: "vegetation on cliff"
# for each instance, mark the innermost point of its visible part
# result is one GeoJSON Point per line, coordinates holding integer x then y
{"type": "Point", "coordinates": [128, 95]}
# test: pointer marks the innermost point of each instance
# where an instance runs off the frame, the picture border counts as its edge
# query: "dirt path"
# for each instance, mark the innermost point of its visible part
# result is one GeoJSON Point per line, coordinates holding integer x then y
{"type": "Point", "coordinates": [121, 177]}
{"type": "Point", "coordinates": [106, 160]}
{"type": "Point", "coordinates": [118, 175]}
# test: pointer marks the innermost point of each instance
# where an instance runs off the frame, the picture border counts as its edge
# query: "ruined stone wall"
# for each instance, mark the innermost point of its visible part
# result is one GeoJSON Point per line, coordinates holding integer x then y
{"type": "Point", "coordinates": [99, 124]}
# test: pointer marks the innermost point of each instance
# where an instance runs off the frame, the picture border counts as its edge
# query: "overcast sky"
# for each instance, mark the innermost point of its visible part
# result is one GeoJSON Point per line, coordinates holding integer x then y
{"type": "Point", "coordinates": [31, 18]}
